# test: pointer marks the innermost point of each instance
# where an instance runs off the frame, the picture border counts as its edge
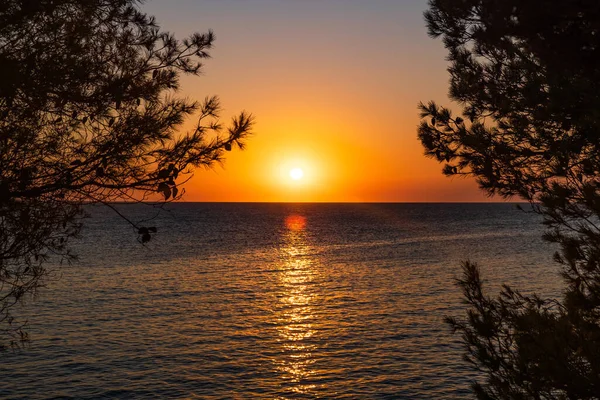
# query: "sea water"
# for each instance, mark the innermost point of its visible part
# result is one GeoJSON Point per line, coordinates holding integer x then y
{"type": "Point", "coordinates": [270, 301]}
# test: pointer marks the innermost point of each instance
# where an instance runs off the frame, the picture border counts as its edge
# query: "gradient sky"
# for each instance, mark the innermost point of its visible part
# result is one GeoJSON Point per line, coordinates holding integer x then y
{"type": "Point", "coordinates": [334, 87]}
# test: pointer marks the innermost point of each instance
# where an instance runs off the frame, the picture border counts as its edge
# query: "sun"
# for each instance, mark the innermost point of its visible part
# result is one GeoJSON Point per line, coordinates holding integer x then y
{"type": "Point", "coordinates": [296, 174]}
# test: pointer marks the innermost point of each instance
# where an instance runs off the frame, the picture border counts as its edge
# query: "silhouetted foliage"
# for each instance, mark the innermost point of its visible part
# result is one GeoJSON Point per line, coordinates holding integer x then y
{"type": "Point", "coordinates": [527, 76]}
{"type": "Point", "coordinates": [88, 115]}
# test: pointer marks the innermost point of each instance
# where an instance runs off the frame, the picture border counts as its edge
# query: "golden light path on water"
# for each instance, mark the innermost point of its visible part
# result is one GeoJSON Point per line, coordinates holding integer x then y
{"type": "Point", "coordinates": [296, 316]}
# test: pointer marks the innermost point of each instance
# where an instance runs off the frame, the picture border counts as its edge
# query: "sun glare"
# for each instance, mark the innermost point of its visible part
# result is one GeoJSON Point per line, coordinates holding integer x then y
{"type": "Point", "coordinates": [296, 174]}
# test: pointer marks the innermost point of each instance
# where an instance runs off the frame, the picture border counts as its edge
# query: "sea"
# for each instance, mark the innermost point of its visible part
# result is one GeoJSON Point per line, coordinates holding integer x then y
{"type": "Point", "coordinates": [270, 301]}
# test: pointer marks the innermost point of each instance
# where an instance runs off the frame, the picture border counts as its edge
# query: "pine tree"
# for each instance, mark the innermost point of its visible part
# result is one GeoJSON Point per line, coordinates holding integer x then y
{"type": "Point", "coordinates": [527, 77]}
{"type": "Point", "coordinates": [89, 114]}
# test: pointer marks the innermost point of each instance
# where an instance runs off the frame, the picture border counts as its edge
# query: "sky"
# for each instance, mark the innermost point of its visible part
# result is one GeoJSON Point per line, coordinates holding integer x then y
{"type": "Point", "coordinates": [334, 87]}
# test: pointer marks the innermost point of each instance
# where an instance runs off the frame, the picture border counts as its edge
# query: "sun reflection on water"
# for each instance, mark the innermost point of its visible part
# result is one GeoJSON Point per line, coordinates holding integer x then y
{"type": "Point", "coordinates": [295, 311]}
{"type": "Point", "coordinates": [295, 222]}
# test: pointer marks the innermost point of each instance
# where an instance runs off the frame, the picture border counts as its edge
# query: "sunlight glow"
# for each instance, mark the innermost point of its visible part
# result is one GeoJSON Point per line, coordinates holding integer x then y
{"type": "Point", "coordinates": [296, 174]}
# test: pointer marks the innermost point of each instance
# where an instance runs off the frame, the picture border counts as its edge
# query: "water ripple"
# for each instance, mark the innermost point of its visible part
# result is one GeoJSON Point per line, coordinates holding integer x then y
{"type": "Point", "coordinates": [270, 301]}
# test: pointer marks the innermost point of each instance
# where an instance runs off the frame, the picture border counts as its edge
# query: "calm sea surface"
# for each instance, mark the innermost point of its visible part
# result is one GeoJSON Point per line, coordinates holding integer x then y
{"type": "Point", "coordinates": [270, 301]}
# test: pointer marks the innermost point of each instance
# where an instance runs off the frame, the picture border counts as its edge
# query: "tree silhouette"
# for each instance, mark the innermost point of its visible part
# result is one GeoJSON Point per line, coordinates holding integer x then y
{"type": "Point", "coordinates": [88, 114]}
{"type": "Point", "coordinates": [527, 76]}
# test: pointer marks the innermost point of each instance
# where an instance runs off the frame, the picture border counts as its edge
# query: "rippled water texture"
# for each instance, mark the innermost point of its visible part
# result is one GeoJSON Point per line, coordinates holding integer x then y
{"type": "Point", "coordinates": [274, 301]}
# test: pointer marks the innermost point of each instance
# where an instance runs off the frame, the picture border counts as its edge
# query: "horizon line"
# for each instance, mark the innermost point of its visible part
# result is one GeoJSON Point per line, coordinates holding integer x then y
{"type": "Point", "coordinates": [326, 202]}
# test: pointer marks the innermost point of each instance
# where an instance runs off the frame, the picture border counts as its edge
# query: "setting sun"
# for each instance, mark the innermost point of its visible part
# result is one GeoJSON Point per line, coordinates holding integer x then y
{"type": "Point", "coordinates": [296, 174]}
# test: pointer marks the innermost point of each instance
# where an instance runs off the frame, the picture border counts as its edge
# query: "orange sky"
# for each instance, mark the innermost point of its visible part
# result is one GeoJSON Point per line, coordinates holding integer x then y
{"type": "Point", "coordinates": [334, 87]}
